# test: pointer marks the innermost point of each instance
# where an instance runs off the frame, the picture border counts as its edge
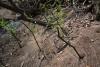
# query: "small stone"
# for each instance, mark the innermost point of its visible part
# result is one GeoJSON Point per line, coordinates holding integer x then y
{"type": "Point", "coordinates": [11, 54]}
{"type": "Point", "coordinates": [92, 40]}
{"type": "Point", "coordinates": [7, 64]}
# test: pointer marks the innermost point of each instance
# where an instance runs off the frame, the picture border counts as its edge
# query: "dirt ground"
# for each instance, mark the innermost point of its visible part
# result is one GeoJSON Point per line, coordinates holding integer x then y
{"type": "Point", "coordinates": [85, 37]}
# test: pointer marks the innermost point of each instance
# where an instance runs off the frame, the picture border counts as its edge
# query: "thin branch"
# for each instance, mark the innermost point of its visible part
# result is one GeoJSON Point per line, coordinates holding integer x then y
{"type": "Point", "coordinates": [33, 35]}
{"type": "Point", "coordinates": [22, 17]}
{"type": "Point", "coordinates": [34, 39]}
{"type": "Point", "coordinates": [10, 8]}
{"type": "Point", "coordinates": [69, 44]}
{"type": "Point", "coordinates": [17, 39]}
{"type": "Point", "coordinates": [84, 2]}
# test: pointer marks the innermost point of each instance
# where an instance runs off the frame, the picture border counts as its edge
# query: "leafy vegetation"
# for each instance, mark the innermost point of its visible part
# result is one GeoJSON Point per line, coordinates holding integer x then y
{"type": "Point", "coordinates": [57, 20]}
{"type": "Point", "coordinates": [7, 26]}
{"type": "Point", "coordinates": [10, 29]}
{"type": "Point", "coordinates": [53, 13]}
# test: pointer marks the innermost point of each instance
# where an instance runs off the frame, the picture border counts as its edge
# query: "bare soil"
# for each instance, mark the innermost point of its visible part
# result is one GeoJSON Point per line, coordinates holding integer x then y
{"type": "Point", "coordinates": [85, 37]}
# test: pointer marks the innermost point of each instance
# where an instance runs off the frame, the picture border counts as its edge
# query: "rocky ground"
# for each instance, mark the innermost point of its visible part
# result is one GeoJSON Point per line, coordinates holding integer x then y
{"type": "Point", "coordinates": [85, 37]}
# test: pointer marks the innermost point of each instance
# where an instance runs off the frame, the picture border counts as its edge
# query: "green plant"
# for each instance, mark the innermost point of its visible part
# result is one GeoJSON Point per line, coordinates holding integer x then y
{"type": "Point", "coordinates": [7, 26]}
{"type": "Point", "coordinates": [53, 16]}
{"type": "Point", "coordinates": [10, 29]}
{"type": "Point", "coordinates": [56, 19]}
{"type": "Point", "coordinates": [2, 23]}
